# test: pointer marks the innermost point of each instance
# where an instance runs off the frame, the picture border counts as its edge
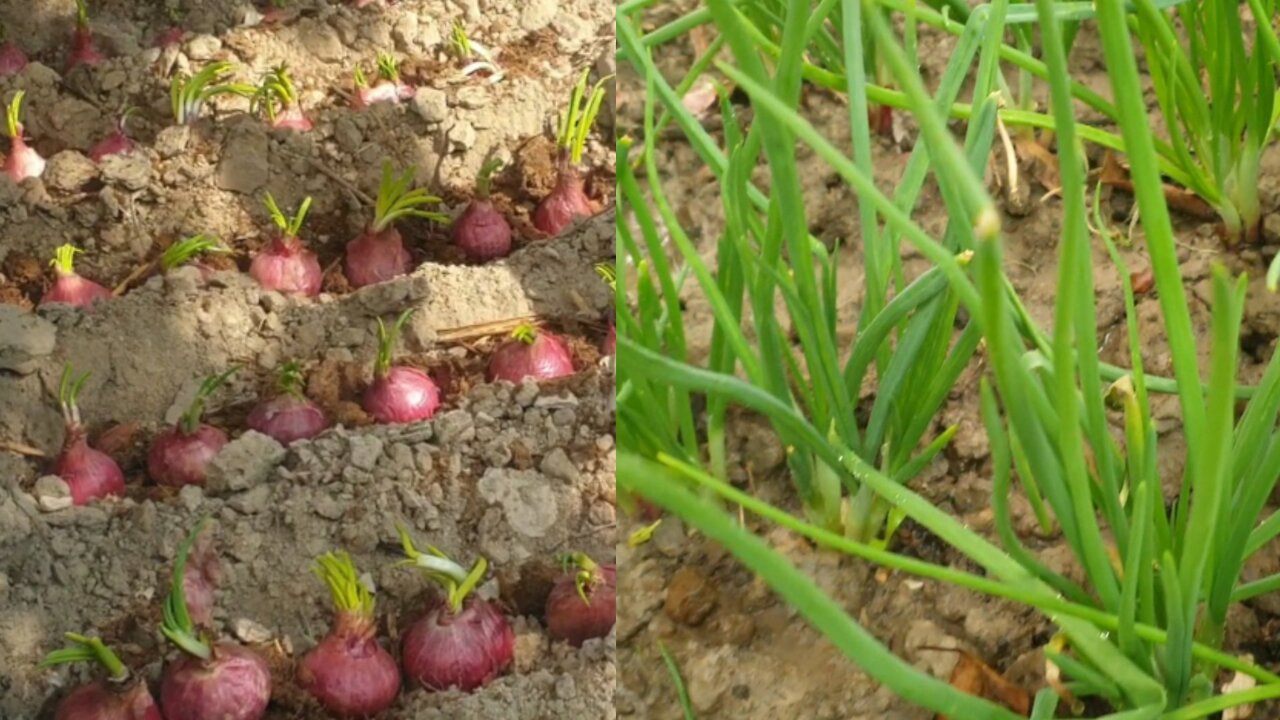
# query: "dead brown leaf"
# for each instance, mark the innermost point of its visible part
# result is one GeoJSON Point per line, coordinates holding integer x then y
{"type": "Point", "coordinates": [1113, 174]}
{"type": "Point", "coordinates": [975, 677]}
{"type": "Point", "coordinates": [118, 437]}
{"type": "Point", "coordinates": [1142, 281]}
{"type": "Point", "coordinates": [1042, 163]}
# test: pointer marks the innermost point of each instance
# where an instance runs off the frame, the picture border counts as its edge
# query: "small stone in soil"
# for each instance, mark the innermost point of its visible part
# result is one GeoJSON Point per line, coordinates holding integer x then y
{"type": "Point", "coordinates": [690, 596]}
{"type": "Point", "coordinates": [244, 462]}
{"type": "Point", "coordinates": [248, 631]}
{"type": "Point", "coordinates": [24, 339]}
{"type": "Point", "coordinates": [558, 465]}
{"type": "Point", "coordinates": [52, 494]}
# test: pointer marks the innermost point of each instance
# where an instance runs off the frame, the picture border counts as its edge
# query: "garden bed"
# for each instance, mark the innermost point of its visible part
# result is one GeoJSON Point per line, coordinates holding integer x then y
{"type": "Point", "coordinates": [517, 474]}
{"type": "Point", "coordinates": [744, 653]}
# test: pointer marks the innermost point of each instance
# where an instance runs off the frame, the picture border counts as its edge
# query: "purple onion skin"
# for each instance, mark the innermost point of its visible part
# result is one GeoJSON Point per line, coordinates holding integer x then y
{"type": "Point", "coordinates": [76, 291]}
{"type": "Point", "coordinates": [566, 203]}
{"type": "Point", "coordinates": [403, 395]}
{"type": "Point", "coordinates": [376, 257]}
{"type": "Point", "coordinates": [482, 233]}
{"type": "Point", "coordinates": [349, 673]}
{"type": "Point", "coordinates": [117, 143]}
{"type": "Point", "coordinates": [23, 161]}
{"type": "Point", "coordinates": [90, 474]}
{"type": "Point", "coordinates": [545, 358]}
{"type": "Point", "coordinates": [99, 701]}
{"type": "Point", "coordinates": [176, 458]}
{"type": "Point", "coordinates": [200, 580]}
{"type": "Point", "coordinates": [84, 51]}
{"type": "Point", "coordinates": [571, 620]}
{"type": "Point", "coordinates": [286, 266]}
{"type": "Point", "coordinates": [384, 91]}
{"type": "Point", "coordinates": [288, 418]}
{"type": "Point", "coordinates": [171, 36]}
{"type": "Point", "coordinates": [12, 59]}
{"type": "Point", "coordinates": [292, 118]}
{"type": "Point", "coordinates": [464, 651]}
{"type": "Point", "coordinates": [610, 344]}
{"type": "Point", "coordinates": [233, 684]}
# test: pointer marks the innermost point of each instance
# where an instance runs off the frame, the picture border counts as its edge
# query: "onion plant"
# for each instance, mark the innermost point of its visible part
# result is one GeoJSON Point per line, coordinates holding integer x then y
{"type": "Point", "coordinates": [1216, 87]}
{"type": "Point", "coordinates": [904, 334]}
{"type": "Point", "coordinates": [1143, 629]}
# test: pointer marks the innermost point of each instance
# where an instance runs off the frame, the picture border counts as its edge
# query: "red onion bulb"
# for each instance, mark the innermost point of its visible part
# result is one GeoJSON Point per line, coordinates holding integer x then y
{"type": "Point", "coordinates": [90, 474]}
{"type": "Point", "coordinates": [117, 143]}
{"type": "Point", "coordinates": [70, 288]}
{"type": "Point", "coordinates": [463, 650]}
{"type": "Point", "coordinates": [375, 257]}
{"type": "Point", "coordinates": [348, 671]}
{"type": "Point", "coordinates": [288, 418]}
{"type": "Point", "coordinates": [23, 161]}
{"type": "Point", "coordinates": [540, 356]}
{"type": "Point", "coordinates": [481, 232]}
{"type": "Point", "coordinates": [574, 619]}
{"type": "Point", "coordinates": [398, 394]}
{"type": "Point", "coordinates": [178, 458]}
{"type": "Point", "coordinates": [122, 698]}
{"type": "Point", "coordinates": [181, 454]}
{"type": "Point", "coordinates": [610, 345]}
{"type": "Point", "coordinates": [388, 87]}
{"type": "Point", "coordinates": [462, 642]}
{"type": "Point", "coordinates": [233, 683]}
{"type": "Point", "coordinates": [100, 701]}
{"type": "Point", "coordinates": [402, 395]}
{"type": "Point", "coordinates": [566, 203]}
{"type": "Point", "coordinates": [84, 51]}
{"type": "Point", "coordinates": [286, 266]}
{"type": "Point", "coordinates": [12, 59]}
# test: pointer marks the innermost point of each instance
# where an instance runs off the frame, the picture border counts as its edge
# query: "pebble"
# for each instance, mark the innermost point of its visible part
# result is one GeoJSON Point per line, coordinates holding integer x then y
{"type": "Point", "coordinates": [172, 141]}
{"type": "Point", "coordinates": [249, 631]}
{"type": "Point", "coordinates": [431, 105]}
{"type": "Point", "coordinates": [527, 393]}
{"type": "Point", "coordinates": [455, 426]}
{"type": "Point", "coordinates": [244, 462]}
{"type": "Point", "coordinates": [245, 154]}
{"type": "Point", "coordinates": [321, 39]}
{"type": "Point", "coordinates": [461, 135]}
{"type": "Point", "coordinates": [25, 338]}
{"type": "Point", "coordinates": [668, 538]}
{"type": "Point", "coordinates": [52, 494]}
{"type": "Point", "coordinates": [252, 501]}
{"type": "Point", "coordinates": [365, 451]}
{"type": "Point", "coordinates": [132, 171]}
{"type": "Point", "coordinates": [191, 497]}
{"type": "Point", "coordinates": [69, 171]}
{"type": "Point", "coordinates": [558, 465]}
{"type": "Point", "coordinates": [690, 596]}
{"type": "Point", "coordinates": [203, 47]}
{"type": "Point", "coordinates": [526, 498]}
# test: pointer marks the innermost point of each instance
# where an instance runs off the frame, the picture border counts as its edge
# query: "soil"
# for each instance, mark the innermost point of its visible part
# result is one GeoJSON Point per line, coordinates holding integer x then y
{"type": "Point", "coordinates": [742, 653]}
{"type": "Point", "coordinates": [516, 474]}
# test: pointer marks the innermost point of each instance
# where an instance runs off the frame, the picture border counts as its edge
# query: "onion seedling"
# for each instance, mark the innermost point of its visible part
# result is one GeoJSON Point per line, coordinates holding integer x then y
{"type": "Point", "coordinates": [89, 474]}
{"type": "Point", "coordinates": [120, 697]}
{"type": "Point", "coordinates": [348, 672]}
{"type": "Point", "coordinates": [181, 454]}
{"type": "Point", "coordinates": [462, 642]}
{"type": "Point", "coordinates": [118, 142]}
{"type": "Point", "coordinates": [23, 161]}
{"type": "Point", "coordinates": [84, 51]}
{"type": "Point", "coordinates": [12, 59]}
{"type": "Point", "coordinates": [609, 274]}
{"type": "Point", "coordinates": [583, 604]}
{"type": "Point", "coordinates": [187, 249]}
{"type": "Point", "coordinates": [398, 394]}
{"type": "Point", "coordinates": [289, 416]}
{"type": "Point", "coordinates": [210, 681]}
{"type": "Point", "coordinates": [285, 264]}
{"type": "Point", "coordinates": [1216, 87]}
{"type": "Point", "coordinates": [277, 87]}
{"type": "Point", "coordinates": [188, 94]}
{"type": "Point", "coordinates": [388, 87]}
{"type": "Point", "coordinates": [568, 200]}
{"type": "Point", "coordinates": [530, 354]}
{"type": "Point", "coordinates": [482, 231]}
{"type": "Point", "coordinates": [70, 288]}
{"type": "Point", "coordinates": [379, 254]}
{"type": "Point", "coordinates": [476, 56]}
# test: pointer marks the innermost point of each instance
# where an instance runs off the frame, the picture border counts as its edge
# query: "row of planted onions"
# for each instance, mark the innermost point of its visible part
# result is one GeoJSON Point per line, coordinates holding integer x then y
{"type": "Point", "coordinates": [285, 264]}
{"type": "Point", "coordinates": [460, 642]}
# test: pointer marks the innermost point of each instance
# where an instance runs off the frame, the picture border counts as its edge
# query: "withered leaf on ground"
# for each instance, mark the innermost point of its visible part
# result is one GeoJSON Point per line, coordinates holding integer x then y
{"type": "Point", "coordinates": [1042, 164]}
{"type": "Point", "coordinates": [1113, 174]}
{"type": "Point", "coordinates": [975, 677]}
